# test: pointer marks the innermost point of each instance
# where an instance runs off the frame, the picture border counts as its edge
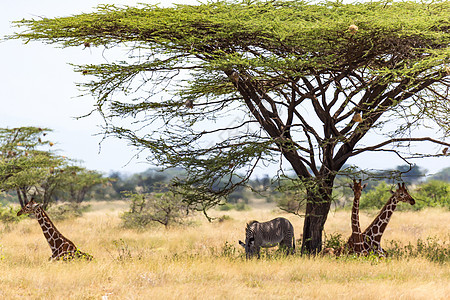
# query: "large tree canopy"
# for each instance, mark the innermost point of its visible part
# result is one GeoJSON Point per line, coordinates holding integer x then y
{"type": "Point", "coordinates": [303, 82]}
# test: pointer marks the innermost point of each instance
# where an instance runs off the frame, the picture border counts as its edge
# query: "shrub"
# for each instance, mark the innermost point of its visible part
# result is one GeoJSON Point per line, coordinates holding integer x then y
{"type": "Point", "coordinates": [225, 207]}
{"type": "Point", "coordinates": [433, 193]}
{"type": "Point", "coordinates": [67, 211]}
{"type": "Point", "coordinates": [224, 218]}
{"type": "Point", "coordinates": [377, 197]}
{"type": "Point", "coordinates": [241, 206]}
{"type": "Point", "coordinates": [431, 249]}
{"type": "Point", "coordinates": [9, 215]}
{"type": "Point", "coordinates": [334, 241]}
{"type": "Point", "coordinates": [165, 208]}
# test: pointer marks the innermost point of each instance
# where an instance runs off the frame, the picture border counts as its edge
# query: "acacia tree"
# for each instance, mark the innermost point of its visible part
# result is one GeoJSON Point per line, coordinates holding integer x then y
{"type": "Point", "coordinates": [78, 181]}
{"type": "Point", "coordinates": [23, 166]}
{"type": "Point", "coordinates": [304, 82]}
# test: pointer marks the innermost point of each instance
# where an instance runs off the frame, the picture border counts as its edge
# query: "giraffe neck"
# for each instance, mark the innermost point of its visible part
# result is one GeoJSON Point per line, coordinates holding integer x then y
{"type": "Point", "coordinates": [53, 236]}
{"type": "Point", "coordinates": [377, 227]}
{"type": "Point", "coordinates": [356, 229]}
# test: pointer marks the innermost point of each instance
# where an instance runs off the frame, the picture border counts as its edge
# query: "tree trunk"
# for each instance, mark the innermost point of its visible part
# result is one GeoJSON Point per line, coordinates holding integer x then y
{"type": "Point", "coordinates": [317, 208]}
{"type": "Point", "coordinates": [19, 195]}
{"type": "Point", "coordinates": [316, 215]}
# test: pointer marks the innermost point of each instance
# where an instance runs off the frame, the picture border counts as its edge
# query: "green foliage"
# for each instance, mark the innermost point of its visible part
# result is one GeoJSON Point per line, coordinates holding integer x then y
{"type": "Point", "coordinates": [145, 181]}
{"type": "Point", "coordinates": [293, 195]}
{"type": "Point", "coordinates": [431, 249]}
{"type": "Point", "coordinates": [377, 197]}
{"type": "Point", "coordinates": [78, 181]}
{"type": "Point", "coordinates": [334, 240]}
{"type": "Point", "coordinates": [224, 218]}
{"type": "Point", "coordinates": [443, 175]}
{"type": "Point", "coordinates": [240, 206]}
{"type": "Point", "coordinates": [165, 208]}
{"type": "Point", "coordinates": [9, 215]}
{"type": "Point", "coordinates": [27, 169]}
{"type": "Point", "coordinates": [22, 164]}
{"type": "Point", "coordinates": [67, 211]}
{"type": "Point", "coordinates": [432, 193]}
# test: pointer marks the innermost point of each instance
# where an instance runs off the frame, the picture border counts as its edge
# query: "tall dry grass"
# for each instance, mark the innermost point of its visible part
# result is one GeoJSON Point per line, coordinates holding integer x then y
{"type": "Point", "coordinates": [203, 261]}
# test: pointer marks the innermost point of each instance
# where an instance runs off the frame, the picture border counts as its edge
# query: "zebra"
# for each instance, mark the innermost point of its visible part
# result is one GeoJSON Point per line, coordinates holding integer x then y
{"type": "Point", "coordinates": [268, 234]}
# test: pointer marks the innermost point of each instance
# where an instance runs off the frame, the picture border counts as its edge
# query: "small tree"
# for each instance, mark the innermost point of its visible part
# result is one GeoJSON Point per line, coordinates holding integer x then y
{"type": "Point", "coordinates": [78, 181]}
{"type": "Point", "coordinates": [164, 208]}
{"type": "Point", "coordinates": [376, 198]}
{"type": "Point", "coordinates": [432, 193]}
{"type": "Point", "coordinates": [23, 166]}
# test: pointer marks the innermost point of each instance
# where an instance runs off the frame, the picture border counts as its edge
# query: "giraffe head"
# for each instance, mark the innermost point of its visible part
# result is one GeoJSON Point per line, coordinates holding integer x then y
{"type": "Point", "coordinates": [29, 208]}
{"type": "Point", "coordinates": [357, 187]}
{"type": "Point", "coordinates": [401, 194]}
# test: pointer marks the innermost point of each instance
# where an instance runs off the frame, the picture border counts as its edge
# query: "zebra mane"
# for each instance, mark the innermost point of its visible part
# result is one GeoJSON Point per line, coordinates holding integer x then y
{"type": "Point", "coordinates": [251, 223]}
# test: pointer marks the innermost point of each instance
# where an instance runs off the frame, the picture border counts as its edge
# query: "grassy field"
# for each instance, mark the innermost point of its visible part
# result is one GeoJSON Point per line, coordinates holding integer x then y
{"type": "Point", "coordinates": [204, 261]}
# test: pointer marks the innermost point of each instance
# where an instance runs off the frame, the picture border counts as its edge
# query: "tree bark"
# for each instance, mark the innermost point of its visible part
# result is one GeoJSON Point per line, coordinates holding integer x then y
{"type": "Point", "coordinates": [317, 208]}
{"type": "Point", "coordinates": [316, 216]}
{"type": "Point", "coordinates": [19, 195]}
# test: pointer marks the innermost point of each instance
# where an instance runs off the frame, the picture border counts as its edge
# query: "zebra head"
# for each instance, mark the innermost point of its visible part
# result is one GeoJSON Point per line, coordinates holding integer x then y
{"type": "Point", "coordinates": [249, 245]}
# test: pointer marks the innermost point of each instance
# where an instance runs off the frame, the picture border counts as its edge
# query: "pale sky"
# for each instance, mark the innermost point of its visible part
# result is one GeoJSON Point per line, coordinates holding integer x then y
{"type": "Point", "coordinates": [37, 88]}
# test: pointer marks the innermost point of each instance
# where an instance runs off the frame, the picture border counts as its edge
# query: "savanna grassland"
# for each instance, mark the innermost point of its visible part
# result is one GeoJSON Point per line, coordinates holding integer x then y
{"type": "Point", "coordinates": [204, 261]}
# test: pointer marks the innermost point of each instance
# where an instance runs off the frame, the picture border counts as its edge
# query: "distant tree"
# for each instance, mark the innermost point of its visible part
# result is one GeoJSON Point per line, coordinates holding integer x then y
{"type": "Point", "coordinates": [411, 174]}
{"type": "Point", "coordinates": [433, 193]}
{"type": "Point", "coordinates": [218, 87]}
{"type": "Point", "coordinates": [146, 208]}
{"type": "Point", "coordinates": [443, 175]}
{"type": "Point", "coordinates": [146, 181]}
{"type": "Point", "coordinates": [78, 181]}
{"type": "Point", "coordinates": [377, 197]}
{"type": "Point", "coordinates": [23, 166]}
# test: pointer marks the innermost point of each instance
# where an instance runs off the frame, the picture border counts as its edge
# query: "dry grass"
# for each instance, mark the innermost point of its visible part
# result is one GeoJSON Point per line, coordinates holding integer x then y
{"type": "Point", "coordinates": [188, 262]}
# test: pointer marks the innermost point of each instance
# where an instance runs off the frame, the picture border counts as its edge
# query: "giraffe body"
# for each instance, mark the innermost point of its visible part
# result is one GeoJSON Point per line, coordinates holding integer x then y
{"type": "Point", "coordinates": [62, 247]}
{"type": "Point", "coordinates": [373, 233]}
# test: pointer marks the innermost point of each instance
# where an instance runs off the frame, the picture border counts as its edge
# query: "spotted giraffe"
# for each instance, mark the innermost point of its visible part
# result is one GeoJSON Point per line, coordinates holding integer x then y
{"type": "Point", "coordinates": [62, 247]}
{"type": "Point", "coordinates": [372, 235]}
{"type": "Point", "coordinates": [355, 242]}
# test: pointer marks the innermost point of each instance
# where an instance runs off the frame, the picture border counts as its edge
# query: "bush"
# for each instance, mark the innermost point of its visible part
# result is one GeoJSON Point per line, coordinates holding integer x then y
{"type": "Point", "coordinates": [67, 211]}
{"type": "Point", "coordinates": [433, 193]}
{"type": "Point", "coordinates": [241, 206]}
{"type": "Point", "coordinates": [334, 241]}
{"type": "Point", "coordinates": [225, 207]}
{"type": "Point", "coordinates": [431, 249]}
{"type": "Point", "coordinates": [376, 198]}
{"type": "Point", "coordinates": [9, 215]}
{"type": "Point", "coordinates": [149, 208]}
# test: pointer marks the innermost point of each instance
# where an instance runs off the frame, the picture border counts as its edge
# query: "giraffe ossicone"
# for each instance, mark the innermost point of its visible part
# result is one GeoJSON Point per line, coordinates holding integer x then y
{"type": "Point", "coordinates": [62, 248]}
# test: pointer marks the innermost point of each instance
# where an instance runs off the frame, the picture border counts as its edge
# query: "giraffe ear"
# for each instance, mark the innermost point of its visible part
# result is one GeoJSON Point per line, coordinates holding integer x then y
{"type": "Point", "coordinates": [392, 192]}
{"type": "Point", "coordinates": [364, 185]}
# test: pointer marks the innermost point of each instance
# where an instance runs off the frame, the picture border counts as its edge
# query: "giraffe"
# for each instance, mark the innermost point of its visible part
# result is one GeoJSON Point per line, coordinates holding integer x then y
{"type": "Point", "coordinates": [62, 247]}
{"type": "Point", "coordinates": [372, 235]}
{"type": "Point", "coordinates": [355, 241]}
